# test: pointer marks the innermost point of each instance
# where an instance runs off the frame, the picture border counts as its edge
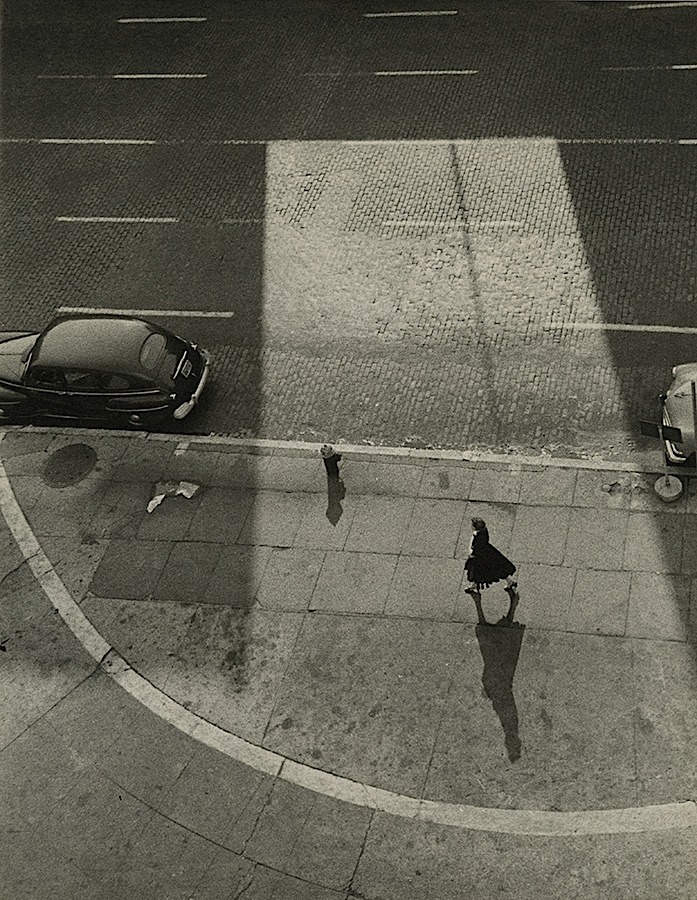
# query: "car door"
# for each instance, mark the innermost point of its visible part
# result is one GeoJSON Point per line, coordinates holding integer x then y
{"type": "Point", "coordinates": [45, 388]}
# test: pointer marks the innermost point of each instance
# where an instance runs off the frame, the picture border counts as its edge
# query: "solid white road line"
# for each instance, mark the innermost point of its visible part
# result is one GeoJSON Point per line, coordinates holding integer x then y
{"type": "Point", "coordinates": [430, 12]}
{"type": "Point", "coordinates": [180, 313]}
{"type": "Point", "coordinates": [156, 220]}
{"type": "Point", "coordinates": [666, 817]}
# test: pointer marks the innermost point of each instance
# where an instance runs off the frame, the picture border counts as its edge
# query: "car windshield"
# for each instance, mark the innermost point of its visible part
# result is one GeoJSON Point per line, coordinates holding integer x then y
{"type": "Point", "coordinates": [159, 356]}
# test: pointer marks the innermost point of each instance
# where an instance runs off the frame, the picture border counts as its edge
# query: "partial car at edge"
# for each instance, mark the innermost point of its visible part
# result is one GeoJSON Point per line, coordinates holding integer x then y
{"type": "Point", "coordinates": [116, 369]}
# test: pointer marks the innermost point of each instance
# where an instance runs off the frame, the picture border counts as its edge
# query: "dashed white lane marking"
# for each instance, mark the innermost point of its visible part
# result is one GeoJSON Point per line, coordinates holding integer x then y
{"type": "Point", "coordinates": [648, 68]}
{"type": "Point", "coordinates": [94, 141]}
{"type": "Point", "coordinates": [423, 12]}
{"type": "Point", "coordinates": [662, 5]}
{"type": "Point", "coordinates": [124, 76]}
{"type": "Point", "coordinates": [431, 72]}
{"type": "Point", "coordinates": [508, 821]}
{"type": "Point", "coordinates": [159, 75]}
{"type": "Point", "coordinates": [163, 19]}
{"type": "Point", "coordinates": [182, 313]}
{"type": "Point", "coordinates": [609, 326]}
{"type": "Point", "coordinates": [148, 220]}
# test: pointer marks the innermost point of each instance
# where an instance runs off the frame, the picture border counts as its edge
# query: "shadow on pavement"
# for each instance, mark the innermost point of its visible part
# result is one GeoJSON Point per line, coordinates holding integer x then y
{"type": "Point", "coordinates": [500, 645]}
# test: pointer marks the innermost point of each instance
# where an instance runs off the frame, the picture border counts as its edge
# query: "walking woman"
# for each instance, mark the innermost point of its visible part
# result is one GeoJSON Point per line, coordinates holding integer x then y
{"type": "Point", "coordinates": [487, 565]}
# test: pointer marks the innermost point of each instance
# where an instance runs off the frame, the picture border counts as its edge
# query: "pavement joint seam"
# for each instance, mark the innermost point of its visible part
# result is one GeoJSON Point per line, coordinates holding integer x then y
{"type": "Point", "coordinates": [510, 821]}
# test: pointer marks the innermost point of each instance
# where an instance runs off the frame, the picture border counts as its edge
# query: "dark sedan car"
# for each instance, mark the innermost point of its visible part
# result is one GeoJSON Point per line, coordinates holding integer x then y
{"type": "Point", "coordinates": [110, 368]}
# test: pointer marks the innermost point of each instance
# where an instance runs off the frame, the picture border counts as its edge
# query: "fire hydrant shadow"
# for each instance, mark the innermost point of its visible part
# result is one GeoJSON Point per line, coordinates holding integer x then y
{"type": "Point", "coordinates": [500, 645]}
{"type": "Point", "coordinates": [335, 486]}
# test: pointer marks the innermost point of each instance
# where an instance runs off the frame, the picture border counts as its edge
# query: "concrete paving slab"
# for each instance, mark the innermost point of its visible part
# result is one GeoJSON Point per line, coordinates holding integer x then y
{"type": "Point", "coordinates": [217, 798]}
{"type": "Point", "coordinates": [688, 564]}
{"type": "Point", "coordinates": [316, 531]}
{"type": "Point", "coordinates": [22, 443]}
{"type": "Point", "coordinates": [290, 578]}
{"type": "Point", "coordinates": [23, 462]}
{"type": "Point", "coordinates": [294, 474]}
{"type": "Point", "coordinates": [395, 478]}
{"type": "Point", "coordinates": [653, 543]}
{"type": "Point", "coordinates": [602, 489]}
{"type": "Point", "coordinates": [379, 524]}
{"type": "Point", "coordinates": [596, 538]}
{"type": "Point", "coordinates": [500, 519]}
{"type": "Point", "coordinates": [74, 563]}
{"type": "Point", "coordinates": [146, 633]}
{"type": "Point", "coordinates": [665, 721]}
{"type": "Point", "coordinates": [10, 555]}
{"type": "Point", "coordinates": [659, 607]}
{"type": "Point", "coordinates": [192, 465]}
{"type": "Point", "coordinates": [38, 770]}
{"type": "Point", "coordinates": [188, 571]}
{"type": "Point", "coordinates": [545, 596]}
{"type": "Point", "coordinates": [30, 686]}
{"type": "Point", "coordinates": [600, 603]}
{"type": "Point", "coordinates": [452, 482]}
{"type": "Point", "coordinates": [240, 471]}
{"type": "Point", "coordinates": [494, 483]}
{"type": "Point", "coordinates": [273, 519]}
{"type": "Point", "coordinates": [23, 869]}
{"type": "Point", "coordinates": [363, 697]}
{"type": "Point", "coordinates": [147, 759]}
{"type": "Point", "coordinates": [353, 583]}
{"type": "Point", "coordinates": [130, 569]}
{"type": "Point", "coordinates": [269, 884]}
{"type": "Point", "coordinates": [144, 460]}
{"type": "Point", "coordinates": [227, 876]}
{"type": "Point", "coordinates": [167, 861]}
{"type": "Point", "coordinates": [449, 863]}
{"type": "Point", "coordinates": [548, 487]}
{"type": "Point", "coordinates": [61, 511]}
{"type": "Point", "coordinates": [121, 509]}
{"type": "Point", "coordinates": [425, 587]}
{"type": "Point", "coordinates": [220, 515]}
{"type": "Point", "coordinates": [539, 534]}
{"type": "Point", "coordinates": [237, 575]}
{"type": "Point", "coordinates": [434, 527]}
{"type": "Point", "coordinates": [94, 825]}
{"type": "Point", "coordinates": [230, 665]}
{"type": "Point", "coordinates": [170, 520]}
{"type": "Point", "coordinates": [296, 834]}
{"type": "Point", "coordinates": [27, 489]}
{"type": "Point", "coordinates": [92, 717]}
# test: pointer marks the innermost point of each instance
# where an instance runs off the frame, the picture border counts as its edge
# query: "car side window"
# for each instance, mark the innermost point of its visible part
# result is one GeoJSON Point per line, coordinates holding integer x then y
{"type": "Point", "coordinates": [83, 381]}
{"type": "Point", "coordinates": [48, 379]}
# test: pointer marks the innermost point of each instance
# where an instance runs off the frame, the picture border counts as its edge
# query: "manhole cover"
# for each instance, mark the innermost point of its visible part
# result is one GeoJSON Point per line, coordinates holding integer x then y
{"type": "Point", "coordinates": [69, 465]}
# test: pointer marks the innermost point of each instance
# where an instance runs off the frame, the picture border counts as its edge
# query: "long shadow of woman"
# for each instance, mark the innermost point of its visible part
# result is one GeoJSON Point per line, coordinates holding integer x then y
{"type": "Point", "coordinates": [499, 645]}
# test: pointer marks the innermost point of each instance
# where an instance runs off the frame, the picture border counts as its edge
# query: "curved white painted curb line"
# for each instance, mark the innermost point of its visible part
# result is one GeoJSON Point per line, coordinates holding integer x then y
{"type": "Point", "coordinates": [507, 821]}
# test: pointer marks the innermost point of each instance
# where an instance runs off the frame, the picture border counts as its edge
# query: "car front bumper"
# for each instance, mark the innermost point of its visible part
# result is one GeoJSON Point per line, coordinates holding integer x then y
{"type": "Point", "coordinates": [183, 409]}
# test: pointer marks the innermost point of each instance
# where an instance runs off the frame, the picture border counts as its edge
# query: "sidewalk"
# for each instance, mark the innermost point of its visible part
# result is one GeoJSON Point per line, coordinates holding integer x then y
{"type": "Point", "coordinates": [352, 648]}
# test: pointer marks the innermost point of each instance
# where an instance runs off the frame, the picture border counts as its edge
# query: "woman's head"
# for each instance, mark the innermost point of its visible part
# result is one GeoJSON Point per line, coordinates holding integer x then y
{"type": "Point", "coordinates": [478, 524]}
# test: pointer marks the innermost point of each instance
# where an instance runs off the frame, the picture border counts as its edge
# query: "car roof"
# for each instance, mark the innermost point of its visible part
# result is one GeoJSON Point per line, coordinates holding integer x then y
{"type": "Point", "coordinates": [101, 343]}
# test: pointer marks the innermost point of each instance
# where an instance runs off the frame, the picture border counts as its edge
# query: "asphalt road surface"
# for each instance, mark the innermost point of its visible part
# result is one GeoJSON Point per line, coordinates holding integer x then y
{"type": "Point", "coordinates": [469, 229]}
